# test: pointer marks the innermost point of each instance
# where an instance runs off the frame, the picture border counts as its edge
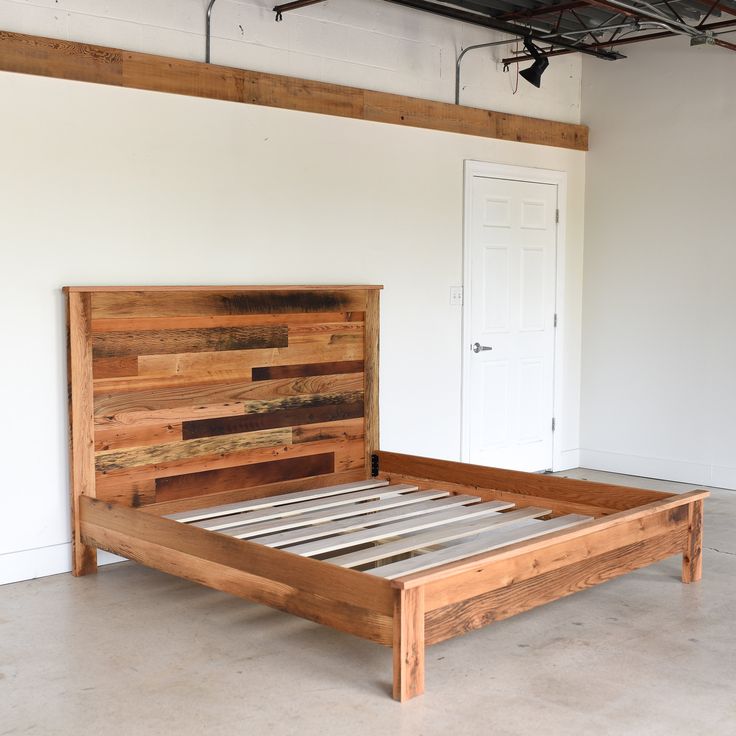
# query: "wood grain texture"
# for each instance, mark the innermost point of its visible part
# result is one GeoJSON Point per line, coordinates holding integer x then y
{"type": "Point", "coordinates": [371, 359]}
{"type": "Point", "coordinates": [264, 373]}
{"type": "Point", "coordinates": [162, 342]}
{"type": "Point", "coordinates": [132, 526]}
{"type": "Point", "coordinates": [609, 497]}
{"type": "Point", "coordinates": [692, 556]}
{"type": "Point", "coordinates": [408, 644]}
{"type": "Point", "coordinates": [174, 400]}
{"type": "Point", "coordinates": [495, 605]}
{"type": "Point", "coordinates": [244, 476]}
{"type": "Point", "coordinates": [85, 62]}
{"type": "Point", "coordinates": [81, 423]}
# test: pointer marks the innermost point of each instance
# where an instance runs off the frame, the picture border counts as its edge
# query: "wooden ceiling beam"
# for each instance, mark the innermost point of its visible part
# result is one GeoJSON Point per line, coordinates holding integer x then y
{"type": "Point", "coordinates": [102, 65]}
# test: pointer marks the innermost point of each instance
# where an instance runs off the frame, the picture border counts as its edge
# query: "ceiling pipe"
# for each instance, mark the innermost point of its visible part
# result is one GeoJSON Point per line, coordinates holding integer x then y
{"type": "Point", "coordinates": [545, 37]}
{"type": "Point", "coordinates": [208, 31]}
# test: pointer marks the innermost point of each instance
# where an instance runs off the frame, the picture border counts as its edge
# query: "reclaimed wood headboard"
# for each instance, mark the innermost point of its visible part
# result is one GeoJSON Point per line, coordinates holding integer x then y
{"type": "Point", "coordinates": [180, 392]}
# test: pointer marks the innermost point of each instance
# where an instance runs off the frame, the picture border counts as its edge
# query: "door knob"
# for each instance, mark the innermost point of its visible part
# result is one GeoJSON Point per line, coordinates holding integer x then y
{"type": "Point", "coordinates": [476, 347]}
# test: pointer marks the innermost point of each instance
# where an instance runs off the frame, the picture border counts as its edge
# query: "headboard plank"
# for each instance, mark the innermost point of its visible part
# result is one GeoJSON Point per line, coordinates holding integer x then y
{"type": "Point", "coordinates": [211, 390]}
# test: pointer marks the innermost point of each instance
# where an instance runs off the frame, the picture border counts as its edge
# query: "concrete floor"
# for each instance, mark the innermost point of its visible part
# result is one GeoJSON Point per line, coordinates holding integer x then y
{"type": "Point", "coordinates": [135, 652]}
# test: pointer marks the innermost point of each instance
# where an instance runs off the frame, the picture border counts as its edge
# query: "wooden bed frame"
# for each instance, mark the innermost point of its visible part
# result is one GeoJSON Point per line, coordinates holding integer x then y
{"type": "Point", "coordinates": [190, 405]}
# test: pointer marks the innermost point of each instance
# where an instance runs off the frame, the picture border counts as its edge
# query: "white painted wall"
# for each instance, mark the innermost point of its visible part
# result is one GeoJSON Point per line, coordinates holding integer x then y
{"type": "Point", "coordinates": [659, 346]}
{"type": "Point", "coordinates": [364, 43]}
{"type": "Point", "coordinates": [110, 186]}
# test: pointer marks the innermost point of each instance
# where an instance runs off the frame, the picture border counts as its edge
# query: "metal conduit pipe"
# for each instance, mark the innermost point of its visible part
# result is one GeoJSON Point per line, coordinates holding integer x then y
{"type": "Point", "coordinates": [208, 31]}
{"type": "Point", "coordinates": [634, 25]}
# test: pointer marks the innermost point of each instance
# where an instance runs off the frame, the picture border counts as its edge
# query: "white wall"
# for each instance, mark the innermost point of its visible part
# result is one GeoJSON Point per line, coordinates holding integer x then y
{"type": "Point", "coordinates": [110, 186]}
{"type": "Point", "coordinates": [364, 43]}
{"type": "Point", "coordinates": [659, 340]}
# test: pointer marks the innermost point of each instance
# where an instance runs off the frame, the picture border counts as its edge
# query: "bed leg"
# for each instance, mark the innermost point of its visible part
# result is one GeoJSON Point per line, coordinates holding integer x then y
{"type": "Point", "coordinates": [692, 555]}
{"type": "Point", "coordinates": [408, 643]}
{"type": "Point", "coordinates": [84, 559]}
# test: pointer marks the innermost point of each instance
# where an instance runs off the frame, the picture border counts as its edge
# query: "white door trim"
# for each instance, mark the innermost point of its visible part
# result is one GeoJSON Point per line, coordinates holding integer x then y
{"type": "Point", "coordinates": [538, 176]}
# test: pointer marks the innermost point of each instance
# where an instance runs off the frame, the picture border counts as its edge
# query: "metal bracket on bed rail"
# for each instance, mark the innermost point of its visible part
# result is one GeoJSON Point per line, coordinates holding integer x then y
{"type": "Point", "coordinates": [374, 465]}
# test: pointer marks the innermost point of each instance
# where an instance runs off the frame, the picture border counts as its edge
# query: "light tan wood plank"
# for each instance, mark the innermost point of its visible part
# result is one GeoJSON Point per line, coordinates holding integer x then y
{"type": "Point", "coordinates": [81, 423]}
{"type": "Point", "coordinates": [405, 526]}
{"type": "Point", "coordinates": [286, 509]}
{"type": "Point", "coordinates": [496, 605]}
{"type": "Point", "coordinates": [103, 65]}
{"type": "Point", "coordinates": [692, 557]}
{"type": "Point", "coordinates": [486, 542]}
{"type": "Point", "coordinates": [448, 533]}
{"type": "Point", "coordinates": [132, 527]}
{"type": "Point", "coordinates": [408, 644]}
{"type": "Point", "coordinates": [356, 522]}
{"type": "Point", "coordinates": [255, 504]}
{"type": "Point", "coordinates": [308, 522]}
{"type": "Point", "coordinates": [112, 460]}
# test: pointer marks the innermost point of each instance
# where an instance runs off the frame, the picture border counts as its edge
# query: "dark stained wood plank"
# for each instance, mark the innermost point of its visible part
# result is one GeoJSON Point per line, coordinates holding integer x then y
{"type": "Point", "coordinates": [84, 62]}
{"type": "Point", "coordinates": [162, 342]}
{"type": "Point", "coordinates": [496, 605]}
{"type": "Point", "coordinates": [288, 417]}
{"type": "Point", "coordinates": [180, 401]}
{"type": "Point", "coordinates": [244, 476]}
{"type": "Point", "coordinates": [264, 373]}
{"type": "Point", "coordinates": [133, 324]}
{"type": "Point", "coordinates": [109, 461]}
{"type": "Point", "coordinates": [202, 303]}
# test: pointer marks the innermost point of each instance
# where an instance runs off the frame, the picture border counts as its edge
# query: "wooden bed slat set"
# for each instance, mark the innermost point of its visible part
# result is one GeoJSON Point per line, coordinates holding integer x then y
{"type": "Point", "coordinates": [229, 435]}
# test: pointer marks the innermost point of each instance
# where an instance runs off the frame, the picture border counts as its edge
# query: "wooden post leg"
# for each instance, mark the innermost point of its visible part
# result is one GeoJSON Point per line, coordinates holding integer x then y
{"type": "Point", "coordinates": [408, 643]}
{"type": "Point", "coordinates": [84, 557]}
{"type": "Point", "coordinates": [692, 556]}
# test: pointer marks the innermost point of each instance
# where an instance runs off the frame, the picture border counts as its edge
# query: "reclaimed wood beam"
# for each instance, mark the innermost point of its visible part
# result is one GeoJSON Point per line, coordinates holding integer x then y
{"type": "Point", "coordinates": [83, 62]}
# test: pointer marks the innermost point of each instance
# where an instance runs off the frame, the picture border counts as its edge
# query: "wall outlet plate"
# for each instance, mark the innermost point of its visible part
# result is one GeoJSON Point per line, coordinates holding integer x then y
{"type": "Point", "coordinates": [456, 296]}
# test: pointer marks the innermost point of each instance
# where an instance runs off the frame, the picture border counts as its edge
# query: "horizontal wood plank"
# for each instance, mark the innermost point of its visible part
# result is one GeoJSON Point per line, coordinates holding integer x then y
{"type": "Point", "coordinates": [535, 484]}
{"type": "Point", "coordinates": [496, 605]}
{"type": "Point", "coordinates": [439, 535]}
{"type": "Point", "coordinates": [159, 342]}
{"type": "Point", "coordinates": [265, 373]}
{"type": "Point", "coordinates": [102, 65]}
{"type": "Point", "coordinates": [256, 474]}
{"type": "Point", "coordinates": [131, 527]}
{"type": "Point", "coordinates": [495, 539]}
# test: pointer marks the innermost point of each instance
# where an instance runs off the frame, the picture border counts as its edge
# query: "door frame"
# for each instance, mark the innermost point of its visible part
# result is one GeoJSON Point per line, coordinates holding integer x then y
{"type": "Point", "coordinates": [536, 176]}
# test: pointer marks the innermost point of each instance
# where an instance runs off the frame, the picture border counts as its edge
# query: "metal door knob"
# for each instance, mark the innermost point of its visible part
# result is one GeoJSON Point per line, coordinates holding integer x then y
{"type": "Point", "coordinates": [476, 347]}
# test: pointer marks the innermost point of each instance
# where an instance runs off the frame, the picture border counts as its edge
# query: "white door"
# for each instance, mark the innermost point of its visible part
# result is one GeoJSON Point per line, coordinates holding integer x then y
{"type": "Point", "coordinates": [512, 277]}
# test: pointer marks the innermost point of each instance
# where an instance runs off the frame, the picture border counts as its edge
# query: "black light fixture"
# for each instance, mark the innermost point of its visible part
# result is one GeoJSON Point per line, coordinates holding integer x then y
{"type": "Point", "coordinates": [533, 74]}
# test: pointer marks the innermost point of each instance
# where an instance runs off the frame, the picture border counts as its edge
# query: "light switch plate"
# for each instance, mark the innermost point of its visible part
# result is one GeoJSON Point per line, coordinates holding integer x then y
{"type": "Point", "coordinates": [456, 296]}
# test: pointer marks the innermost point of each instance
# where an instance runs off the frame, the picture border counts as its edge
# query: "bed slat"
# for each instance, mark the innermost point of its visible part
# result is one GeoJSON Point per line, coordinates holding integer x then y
{"type": "Point", "coordinates": [364, 536]}
{"type": "Point", "coordinates": [260, 503]}
{"type": "Point", "coordinates": [360, 522]}
{"type": "Point", "coordinates": [226, 522]}
{"type": "Point", "coordinates": [523, 531]}
{"type": "Point", "coordinates": [416, 499]}
{"type": "Point", "coordinates": [439, 535]}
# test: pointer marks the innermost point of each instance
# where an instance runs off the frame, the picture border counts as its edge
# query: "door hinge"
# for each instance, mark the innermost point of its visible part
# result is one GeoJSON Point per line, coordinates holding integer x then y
{"type": "Point", "coordinates": [555, 322]}
{"type": "Point", "coordinates": [553, 424]}
{"type": "Point", "coordinates": [557, 216]}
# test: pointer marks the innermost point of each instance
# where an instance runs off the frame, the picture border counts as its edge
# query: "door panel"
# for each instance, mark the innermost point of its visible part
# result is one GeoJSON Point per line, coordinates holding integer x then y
{"type": "Point", "coordinates": [512, 251]}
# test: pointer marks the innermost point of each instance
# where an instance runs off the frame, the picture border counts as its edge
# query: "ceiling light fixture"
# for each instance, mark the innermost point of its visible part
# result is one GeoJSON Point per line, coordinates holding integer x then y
{"type": "Point", "coordinates": [533, 74]}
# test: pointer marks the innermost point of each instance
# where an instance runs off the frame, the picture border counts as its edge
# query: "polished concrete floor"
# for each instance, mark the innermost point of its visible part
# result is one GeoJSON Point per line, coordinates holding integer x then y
{"type": "Point", "coordinates": [135, 652]}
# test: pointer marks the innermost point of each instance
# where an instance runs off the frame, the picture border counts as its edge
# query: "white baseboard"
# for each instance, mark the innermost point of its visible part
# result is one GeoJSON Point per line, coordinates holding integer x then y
{"type": "Point", "coordinates": [567, 460]}
{"type": "Point", "coordinates": [28, 564]}
{"type": "Point", "coordinates": [680, 471]}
